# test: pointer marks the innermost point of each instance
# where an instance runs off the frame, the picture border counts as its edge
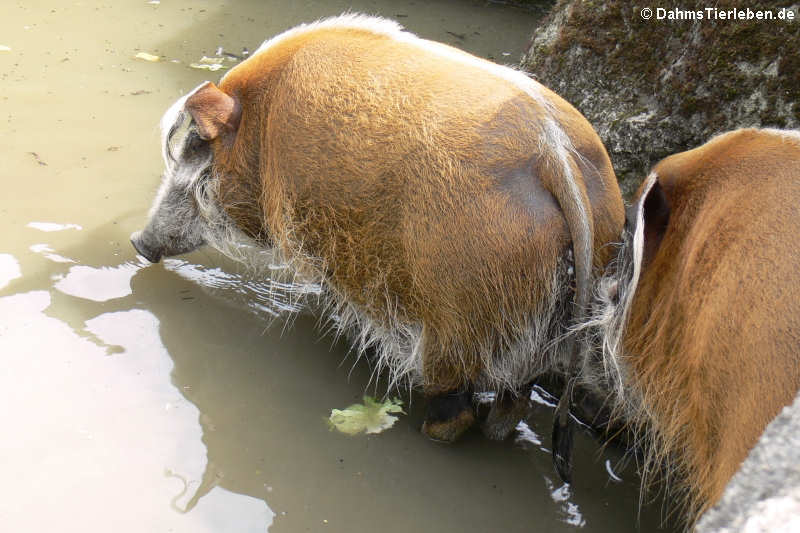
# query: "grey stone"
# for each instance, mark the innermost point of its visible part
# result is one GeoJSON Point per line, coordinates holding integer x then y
{"type": "Point", "coordinates": [764, 495]}
{"type": "Point", "coordinates": [652, 88]}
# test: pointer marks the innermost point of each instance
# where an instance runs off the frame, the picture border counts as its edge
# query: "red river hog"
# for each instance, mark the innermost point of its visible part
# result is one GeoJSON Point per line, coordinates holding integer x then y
{"type": "Point", "coordinates": [700, 318]}
{"type": "Point", "coordinates": [452, 210]}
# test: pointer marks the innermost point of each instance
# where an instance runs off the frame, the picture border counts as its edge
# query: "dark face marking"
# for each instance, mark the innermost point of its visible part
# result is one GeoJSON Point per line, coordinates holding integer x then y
{"type": "Point", "coordinates": [176, 225]}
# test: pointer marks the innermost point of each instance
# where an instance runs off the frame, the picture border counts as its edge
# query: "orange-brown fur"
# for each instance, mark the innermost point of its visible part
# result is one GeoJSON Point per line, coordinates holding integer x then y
{"type": "Point", "coordinates": [713, 340]}
{"type": "Point", "coordinates": [418, 186]}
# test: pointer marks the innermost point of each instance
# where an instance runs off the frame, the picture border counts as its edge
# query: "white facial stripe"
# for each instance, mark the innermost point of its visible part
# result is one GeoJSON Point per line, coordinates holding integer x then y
{"type": "Point", "coordinates": [171, 119]}
{"type": "Point", "coordinates": [182, 171]}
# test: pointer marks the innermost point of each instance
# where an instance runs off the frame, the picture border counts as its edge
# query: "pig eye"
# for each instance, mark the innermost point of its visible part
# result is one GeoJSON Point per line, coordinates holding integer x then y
{"type": "Point", "coordinates": [194, 144]}
{"type": "Point", "coordinates": [194, 148]}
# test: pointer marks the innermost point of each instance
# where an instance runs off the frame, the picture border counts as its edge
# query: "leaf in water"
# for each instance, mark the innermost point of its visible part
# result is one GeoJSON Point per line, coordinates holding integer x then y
{"type": "Point", "coordinates": [206, 66]}
{"type": "Point", "coordinates": [209, 63]}
{"type": "Point", "coordinates": [147, 57]}
{"type": "Point", "coordinates": [211, 60]}
{"type": "Point", "coordinates": [370, 417]}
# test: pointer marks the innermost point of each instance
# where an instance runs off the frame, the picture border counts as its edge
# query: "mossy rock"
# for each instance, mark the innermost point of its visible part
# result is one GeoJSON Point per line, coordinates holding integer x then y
{"type": "Point", "coordinates": [693, 78]}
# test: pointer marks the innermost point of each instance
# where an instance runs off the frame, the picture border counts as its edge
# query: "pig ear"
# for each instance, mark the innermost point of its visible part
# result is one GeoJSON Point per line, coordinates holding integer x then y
{"type": "Point", "coordinates": [213, 111]}
{"type": "Point", "coordinates": [652, 216]}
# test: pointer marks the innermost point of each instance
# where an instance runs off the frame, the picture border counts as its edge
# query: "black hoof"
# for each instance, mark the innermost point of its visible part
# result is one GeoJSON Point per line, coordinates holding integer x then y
{"type": "Point", "coordinates": [449, 416]}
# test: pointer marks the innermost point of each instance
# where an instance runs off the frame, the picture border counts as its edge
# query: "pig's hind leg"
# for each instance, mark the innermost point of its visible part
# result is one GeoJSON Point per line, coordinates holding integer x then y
{"type": "Point", "coordinates": [508, 408]}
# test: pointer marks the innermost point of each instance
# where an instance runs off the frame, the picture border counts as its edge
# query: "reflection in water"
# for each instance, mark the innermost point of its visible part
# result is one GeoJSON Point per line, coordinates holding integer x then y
{"type": "Point", "coordinates": [266, 297]}
{"type": "Point", "coordinates": [542, 397]}
{"type": "Point", "coordinates": [244, 413]}
{"type": "Point", "coordinates": [222, 510]}
{"type": "Point", "coordinates": [122, 422]}
{"type": "Point", "coordinates": [561, 495]}
{"type": "Point", "coordinates": [258, 426]}
{"type": "Point", "coordinates": [52, 226]}
{"type": "Point", "coordinates": [526, 437]}
{"type": "Point", "coordinates": [49, 253]}
{"type": "Point", "coordinates": [98, 284]}
{"type": "Point", "coordinates": [9, 269]}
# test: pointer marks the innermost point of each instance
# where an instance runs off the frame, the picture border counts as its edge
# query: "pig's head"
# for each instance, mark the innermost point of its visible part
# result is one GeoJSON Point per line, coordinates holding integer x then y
{"type": "Point", "coordinates": [179, 219]}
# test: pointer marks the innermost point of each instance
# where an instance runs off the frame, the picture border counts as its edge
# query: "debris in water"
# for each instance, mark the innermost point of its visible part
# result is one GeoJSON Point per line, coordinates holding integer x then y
{"type": "Point", "coordinates": [229, 55]}
{"type": "Point", "coordinates": [209, 63]}
{"type": "Point", "coordinates": [147, 57]}
{"type": "Point", "coordinates": [38, 159]}
{"type": "Point", "coordinates": [212, 68]}
{"type": "Point", "coordinates": [370, 417]}
{"type": "Point", "coordinates": [611, 474]}
{"type": "Point", "coordinates": [154, 2]}
{"type": "Point", "coordinates": [4, 48]}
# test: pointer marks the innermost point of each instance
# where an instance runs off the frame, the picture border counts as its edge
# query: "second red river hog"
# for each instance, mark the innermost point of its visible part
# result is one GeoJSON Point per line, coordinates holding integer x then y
{"type": "Point", "coordinates": [701, 315]}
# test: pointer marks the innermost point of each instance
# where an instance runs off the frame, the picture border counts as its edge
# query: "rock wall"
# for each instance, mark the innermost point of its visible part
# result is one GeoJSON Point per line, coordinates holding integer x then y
{"type": "Point", "coordinates": [655, 87]}
{"type": "Point", "coordinates": [764, 495]}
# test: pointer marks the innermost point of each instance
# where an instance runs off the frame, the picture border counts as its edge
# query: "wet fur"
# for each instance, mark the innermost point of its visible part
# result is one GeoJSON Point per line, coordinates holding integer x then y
{"type": "Point", "coordinates": [698, 335]}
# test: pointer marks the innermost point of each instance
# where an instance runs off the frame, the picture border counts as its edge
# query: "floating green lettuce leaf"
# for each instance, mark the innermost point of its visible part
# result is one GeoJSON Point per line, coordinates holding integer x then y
{"type": "Point", "coordinates": [370, 417]}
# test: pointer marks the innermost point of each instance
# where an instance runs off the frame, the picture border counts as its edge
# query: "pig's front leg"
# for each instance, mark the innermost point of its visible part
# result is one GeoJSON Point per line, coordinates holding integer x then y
{"type": "Point", "coordinates": [449, 415]}
{"type": "Point", "coordinates": [448, 372]}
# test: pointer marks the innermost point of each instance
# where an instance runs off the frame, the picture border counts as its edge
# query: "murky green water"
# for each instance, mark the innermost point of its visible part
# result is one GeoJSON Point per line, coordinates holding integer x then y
{"type": "Point", "coordinates": [155, 398]}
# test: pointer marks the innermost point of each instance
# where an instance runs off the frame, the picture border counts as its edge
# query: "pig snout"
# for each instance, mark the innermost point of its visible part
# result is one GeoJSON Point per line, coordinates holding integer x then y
{"type": "Point", "coordinates": [149, 252]}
